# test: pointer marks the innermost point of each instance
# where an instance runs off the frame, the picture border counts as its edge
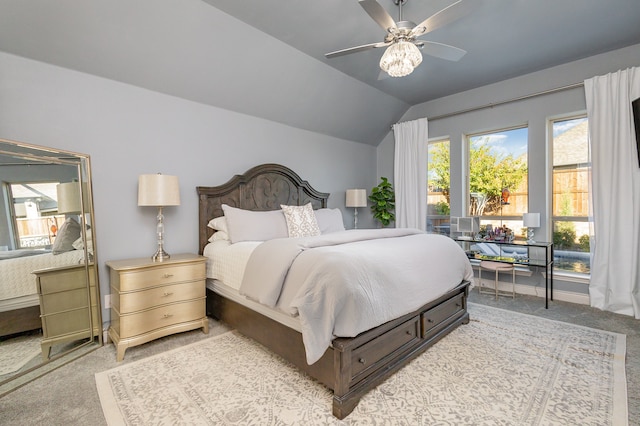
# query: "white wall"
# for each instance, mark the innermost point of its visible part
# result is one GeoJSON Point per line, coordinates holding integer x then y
{"type": "Point", "coordinates": [129, 131]}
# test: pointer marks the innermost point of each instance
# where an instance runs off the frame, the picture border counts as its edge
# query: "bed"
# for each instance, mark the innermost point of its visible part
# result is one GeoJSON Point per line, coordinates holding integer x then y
{"type": "Point", "coordinates": [19, 302]}
{"type": "Point", "coordinates": [350, 366]}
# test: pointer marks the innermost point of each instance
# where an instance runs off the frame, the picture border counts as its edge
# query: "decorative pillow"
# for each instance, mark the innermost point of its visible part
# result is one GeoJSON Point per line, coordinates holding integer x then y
{"type": "Point", "coordinates": [219, 236]}
{"type": "Point", "coordinates": [219, 224]}
{"type": "Point", "coordinates": [329, 220]}
{"type": "Point", "coordinates": [247, 225]}
{"type": "Point", "coordinates": [301, 220]}
{"type": "Point", "coordinates": [78, 244]}
{"type": "Point", "coordinates": [67, 234]}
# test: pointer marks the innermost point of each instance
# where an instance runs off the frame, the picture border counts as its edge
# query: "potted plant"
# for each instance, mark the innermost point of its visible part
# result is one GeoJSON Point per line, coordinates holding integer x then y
{"type": "Point", "coordinates": [383, 202]}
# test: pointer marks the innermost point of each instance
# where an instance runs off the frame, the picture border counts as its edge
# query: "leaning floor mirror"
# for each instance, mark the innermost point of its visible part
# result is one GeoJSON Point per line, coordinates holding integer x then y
{"type": "Point", "coordinates": [49, 292]}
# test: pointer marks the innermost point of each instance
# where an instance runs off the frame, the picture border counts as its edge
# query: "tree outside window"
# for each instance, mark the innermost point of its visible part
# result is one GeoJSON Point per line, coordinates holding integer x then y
{"type": "Point", "coordinates": [498, 174]}
{"type": "Point", "coordinates": [439, 178]}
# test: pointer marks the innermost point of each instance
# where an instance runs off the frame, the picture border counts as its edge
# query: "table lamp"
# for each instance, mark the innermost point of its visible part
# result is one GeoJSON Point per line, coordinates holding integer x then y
{"type": "Point", "coordinates": [530, 221]}
{"type": "Point", "coordinates": [159, 191]}
{"type": "Point", "coordinates": [69, 197]}
{"type": "Point", "coordinates": [356, 198]}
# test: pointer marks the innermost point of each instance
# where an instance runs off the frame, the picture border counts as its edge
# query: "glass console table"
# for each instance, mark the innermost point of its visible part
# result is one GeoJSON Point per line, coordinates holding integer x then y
{"type": "Point", "coordinates": [517, 252]}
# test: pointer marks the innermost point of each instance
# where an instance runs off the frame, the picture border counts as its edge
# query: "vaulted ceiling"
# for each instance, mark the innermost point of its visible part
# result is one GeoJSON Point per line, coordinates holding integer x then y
{"type": "Point", "coordinates": [266, 58]}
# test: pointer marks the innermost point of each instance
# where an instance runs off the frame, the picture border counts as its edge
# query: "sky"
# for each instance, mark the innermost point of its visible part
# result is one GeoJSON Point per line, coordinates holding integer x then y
{"type": "Point", "coordinates": [505, 142]}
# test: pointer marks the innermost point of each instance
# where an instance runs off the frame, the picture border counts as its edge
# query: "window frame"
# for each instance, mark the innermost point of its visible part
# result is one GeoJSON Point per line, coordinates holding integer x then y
{"type": "Point", "coordinates": [467, 189]}
{"type": "Point", "coordinates": [442, 219]}
{"type": "Point", "coordinates": [550, 192]}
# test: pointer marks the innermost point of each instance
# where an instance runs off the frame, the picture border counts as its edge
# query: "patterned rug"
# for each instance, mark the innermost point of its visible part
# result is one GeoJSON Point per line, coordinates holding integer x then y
{"type": "Point", "coordinates": [16, 352]}
{"type": "Point", "coordinates": [503, 368]}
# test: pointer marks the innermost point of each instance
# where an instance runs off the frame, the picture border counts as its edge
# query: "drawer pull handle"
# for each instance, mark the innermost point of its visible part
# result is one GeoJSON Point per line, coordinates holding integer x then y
{"type": "Point", "coordinates": [458, 305]}
{"type": "Point", "coordinates": [166, 294]}
{"type": "Point", "coordinates": [429, 320]}
{"type": "Point", "coordinates": [165, 316]}
{"type": "Point", "coordinates": [362, 361]}
{"type": "Point", "coordinates": [167, 275]}
{"type": "Point", "coordinates": [409, 333]}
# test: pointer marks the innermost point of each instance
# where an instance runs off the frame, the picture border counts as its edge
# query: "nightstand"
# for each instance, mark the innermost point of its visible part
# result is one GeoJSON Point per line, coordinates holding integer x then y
{"type": "Point", "coordinates": [64, 305]}
{"type": "Point", "coordinates": [155, 299]}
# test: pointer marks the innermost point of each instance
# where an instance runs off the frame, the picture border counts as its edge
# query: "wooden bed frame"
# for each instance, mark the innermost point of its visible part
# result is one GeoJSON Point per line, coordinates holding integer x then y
{"type": "Point", "coordinates": [351, 366]}
{"type": "Point", "coordinates": [20, 320]}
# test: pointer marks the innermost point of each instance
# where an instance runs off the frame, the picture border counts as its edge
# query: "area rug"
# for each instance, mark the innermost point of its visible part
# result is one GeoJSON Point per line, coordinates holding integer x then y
{"type": "Point", "coordinates": [16, 352]}
{"type": "Point", "coordinates": [503, 368]}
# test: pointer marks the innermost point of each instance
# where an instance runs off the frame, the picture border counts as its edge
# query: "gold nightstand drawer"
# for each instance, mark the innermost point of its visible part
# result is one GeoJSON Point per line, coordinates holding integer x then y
{"type": "Point", "coordinates": [144, 278]}
{"type": "Point", "coordinates": [156, 296]}
{"type": "Point", "coordinates": [64, 301]}
{"type": "Point", "coordinates": [60, 324]}
{"type": "Point", "coordinates": [57, 280]}
{"type": "Point", "coordinates": [161, 316]}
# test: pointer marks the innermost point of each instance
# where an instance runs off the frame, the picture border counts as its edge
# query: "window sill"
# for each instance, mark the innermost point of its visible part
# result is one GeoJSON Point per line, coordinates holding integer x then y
{"type": "Point", "coordinates": [571, 277]}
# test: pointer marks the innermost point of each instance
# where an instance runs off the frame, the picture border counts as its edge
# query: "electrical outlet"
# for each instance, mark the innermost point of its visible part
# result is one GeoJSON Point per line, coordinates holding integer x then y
{"type": "Point", "coordinates": [107, 301]}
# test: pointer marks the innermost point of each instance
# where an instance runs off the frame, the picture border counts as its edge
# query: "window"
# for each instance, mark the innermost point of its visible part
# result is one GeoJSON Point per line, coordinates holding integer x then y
{"type": "Point", "coordinates": [570, 198]}
{"type": "Point", "coordinates": [498, 179]}
{"type": "Point", "coordinates": [35, 218]}
{"type": "Point", "coordinates": [438, 207]}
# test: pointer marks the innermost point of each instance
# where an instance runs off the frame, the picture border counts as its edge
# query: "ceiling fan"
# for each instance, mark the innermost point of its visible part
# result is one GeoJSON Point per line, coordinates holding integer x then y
{"type": "Point", "coordinates": [402, 55]}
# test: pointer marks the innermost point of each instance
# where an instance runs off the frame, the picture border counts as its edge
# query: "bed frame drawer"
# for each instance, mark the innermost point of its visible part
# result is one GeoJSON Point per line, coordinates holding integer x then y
{"type": "Point", "coordinates": [392, 343]}
{"type": "Point", "coordinates": [435, 317]}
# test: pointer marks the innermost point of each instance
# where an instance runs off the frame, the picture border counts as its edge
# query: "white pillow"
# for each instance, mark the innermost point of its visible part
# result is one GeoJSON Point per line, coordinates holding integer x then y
{"type": "Point", "coordinates": [247, 225]}
{"type": "Point", "coordinates": [329, 220]}
{"type": "Point", "coordinates": [301, 221]}
{"type": "Point", "coordinates": [219, 236]}
{"type": "Point", "coordinates": [219, 224]}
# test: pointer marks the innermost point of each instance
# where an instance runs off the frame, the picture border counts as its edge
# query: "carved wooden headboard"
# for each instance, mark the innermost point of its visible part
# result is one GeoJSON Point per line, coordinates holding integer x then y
{"type": "Point", "coordinates": [261, 188]}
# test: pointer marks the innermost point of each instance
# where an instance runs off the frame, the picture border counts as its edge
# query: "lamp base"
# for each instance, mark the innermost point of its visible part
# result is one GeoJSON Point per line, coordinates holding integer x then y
{"type": "Point", "coordinates": [160, 256]}
{"type": "Point", "coordinates": [530, 235]}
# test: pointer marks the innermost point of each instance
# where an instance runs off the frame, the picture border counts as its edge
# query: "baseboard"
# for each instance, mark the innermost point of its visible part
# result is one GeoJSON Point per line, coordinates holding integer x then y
{"type": "Point", "coordinates": [561, 295]}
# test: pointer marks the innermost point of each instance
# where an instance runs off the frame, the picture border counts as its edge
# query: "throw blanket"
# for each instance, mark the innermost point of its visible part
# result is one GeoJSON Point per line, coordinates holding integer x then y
{"type": "Point", "coordinates": [344, 283]}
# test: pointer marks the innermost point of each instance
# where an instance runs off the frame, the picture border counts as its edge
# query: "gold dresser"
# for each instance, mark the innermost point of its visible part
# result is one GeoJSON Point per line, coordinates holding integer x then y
{"type": "Point", "coordinates": [154, 299]}
{"type": "Point", "coordinates": [64, 305]}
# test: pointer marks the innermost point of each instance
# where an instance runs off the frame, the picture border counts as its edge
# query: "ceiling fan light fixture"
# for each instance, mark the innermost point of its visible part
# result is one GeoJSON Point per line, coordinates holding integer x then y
{"type": "Point", "coordinates": [400, 59]}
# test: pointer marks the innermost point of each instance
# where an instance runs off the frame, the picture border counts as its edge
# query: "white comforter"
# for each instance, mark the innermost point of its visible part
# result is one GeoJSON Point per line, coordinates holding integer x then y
{"type": "Point", "coordinates": [344, 283]}
{"type": "Point", "coordinates": [17, 279]}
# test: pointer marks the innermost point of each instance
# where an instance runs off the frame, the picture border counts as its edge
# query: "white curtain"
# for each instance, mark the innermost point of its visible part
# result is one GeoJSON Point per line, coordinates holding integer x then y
{"type": "Point", "coordinates": [410, 173]}
{"type": "Point", "coordinates": [615, 249]}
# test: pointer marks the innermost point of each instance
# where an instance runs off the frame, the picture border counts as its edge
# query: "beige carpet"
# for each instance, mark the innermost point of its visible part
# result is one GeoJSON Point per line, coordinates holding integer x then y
{"type": "Point", "coordinates": [502, 368]}
{"type": "Point", "coordinates": [16, 352]}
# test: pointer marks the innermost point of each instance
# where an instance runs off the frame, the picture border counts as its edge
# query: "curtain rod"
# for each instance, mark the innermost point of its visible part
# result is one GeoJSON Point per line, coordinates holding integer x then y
{"type": "Point", "coordinates": [508, 101]}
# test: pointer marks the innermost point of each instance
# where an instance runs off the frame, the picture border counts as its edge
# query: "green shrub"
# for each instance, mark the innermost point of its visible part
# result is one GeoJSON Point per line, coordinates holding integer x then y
{"type": "Point", "coordinates": [564, 237]}
{"type": "Point", "coordinates": [584, 243]}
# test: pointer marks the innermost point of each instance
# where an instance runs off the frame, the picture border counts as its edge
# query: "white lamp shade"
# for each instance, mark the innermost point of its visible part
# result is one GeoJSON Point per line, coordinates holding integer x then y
{"type": "Point", "coordinates": [69, 197]}
{"type": "Point", "coordinates": [356, 198]}
{"type": "Point", "coordinates": [531, 220]}
{"type": "Point", "coordinates": [158, 190]}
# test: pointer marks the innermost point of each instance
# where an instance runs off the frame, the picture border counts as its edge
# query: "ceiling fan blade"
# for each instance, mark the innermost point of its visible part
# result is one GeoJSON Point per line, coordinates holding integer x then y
{"type": "Point", "coordinates": [440, 50]}
{"type": "Point", "coordinates": [449, 14]}
{"type": "Point", "coordinates": [378, 13]}
{"type": "Point", "coordinates": [356, 49]}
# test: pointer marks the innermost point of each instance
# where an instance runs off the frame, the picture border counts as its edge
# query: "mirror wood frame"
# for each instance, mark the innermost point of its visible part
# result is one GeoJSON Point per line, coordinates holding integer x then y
{"type": "Point", "coordinates": [12, 153]}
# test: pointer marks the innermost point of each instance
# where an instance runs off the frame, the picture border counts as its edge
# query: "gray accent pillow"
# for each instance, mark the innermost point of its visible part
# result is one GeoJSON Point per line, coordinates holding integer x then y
{"type": "Point", "coordinates": [329, 220]}
{"type": "Point", "coordinates": [247, 225]}
{"type": "Point", "coordinates": [67, 234]}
